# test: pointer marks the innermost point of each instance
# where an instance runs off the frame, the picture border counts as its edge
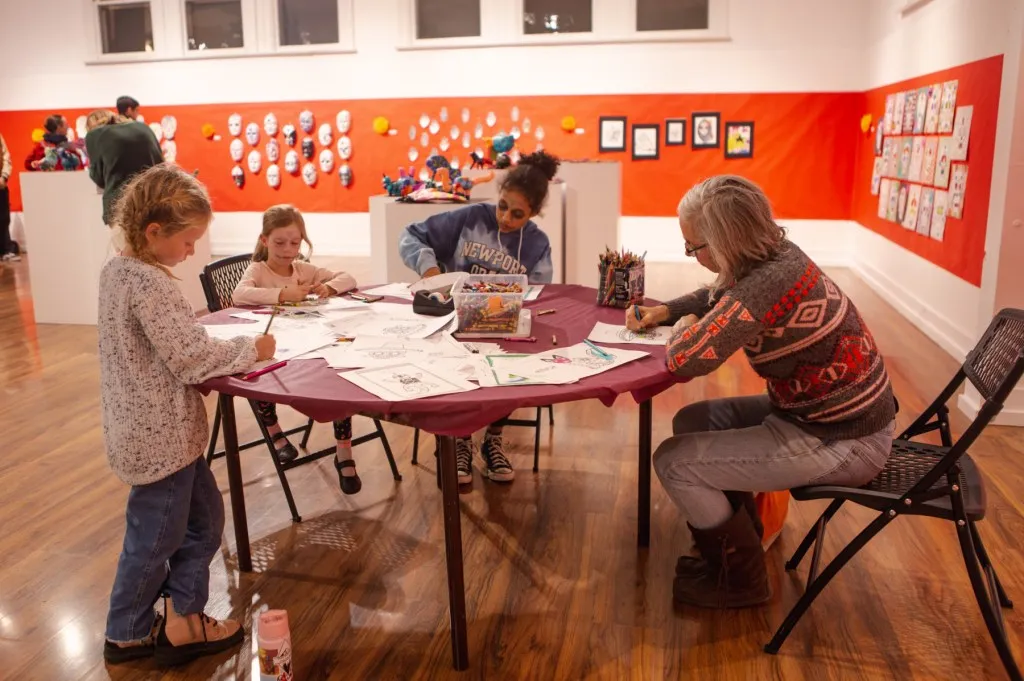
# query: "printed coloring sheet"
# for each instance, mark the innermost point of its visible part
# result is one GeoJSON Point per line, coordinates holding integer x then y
{"type": "Point", "coordinates": [565, 365]}
{"type": "Point", "coordinates": [610, 333]}
{"type": "Point", "coordinates": [405, 381]}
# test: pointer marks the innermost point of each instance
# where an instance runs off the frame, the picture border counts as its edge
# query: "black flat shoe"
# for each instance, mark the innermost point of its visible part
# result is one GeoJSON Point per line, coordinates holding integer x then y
{"type": "Point", "coordinates": [288, 453]}
{"type": "Point", "coordinates": [115, 654]}
{"type": "Point", "coordinates": [350, 484]}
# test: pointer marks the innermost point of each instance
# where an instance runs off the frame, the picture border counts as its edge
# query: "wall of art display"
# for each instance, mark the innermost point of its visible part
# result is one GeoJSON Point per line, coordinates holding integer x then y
{"type": "Point", "coordinates": [929, 134]}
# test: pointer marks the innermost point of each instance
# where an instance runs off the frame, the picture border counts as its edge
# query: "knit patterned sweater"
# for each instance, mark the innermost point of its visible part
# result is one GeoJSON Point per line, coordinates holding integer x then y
{"type": "Point", "coordinates": [152, 352]}
{"type": "Point", "coordinates": [802, 335]}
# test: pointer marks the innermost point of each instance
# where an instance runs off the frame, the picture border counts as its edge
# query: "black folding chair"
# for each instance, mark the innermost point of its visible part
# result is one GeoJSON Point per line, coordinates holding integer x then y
{"type": "Point", "coordinates": [940, 481]}
{"type": "Point", "coordinates": [219, 280]}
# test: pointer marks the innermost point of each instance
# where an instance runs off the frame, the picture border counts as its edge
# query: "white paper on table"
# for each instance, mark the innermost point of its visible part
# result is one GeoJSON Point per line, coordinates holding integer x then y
{"type": "Point", "coordinates": [533, 292]}
{"type": "Point", "coordinates": [393, 290]}
{"type": "Point", "coordinates": [295, 344]}
{"type": "Point", "coordinates": [574, 363]}
{"type": "Point", "coordinates": [405, 381]}
{"type": "Point", "coordinates": [339, 303]}
{"type": "Point", "coordinates": [229, 331]}
{"type": "Point", "coordinates": [479, 348]}
{"type": "Point", "coordinates": [610, 333]}
{"type": "Point", "coordinates": [504, 371]}
{"type": "Point", "coordinates": [472, 368]}
{"type": "Point", "coordinates": [437, 282]}
{"type": "Point", "coordinates": [393, 325]}
{"type": "Point", "coordinates": [439, 346]}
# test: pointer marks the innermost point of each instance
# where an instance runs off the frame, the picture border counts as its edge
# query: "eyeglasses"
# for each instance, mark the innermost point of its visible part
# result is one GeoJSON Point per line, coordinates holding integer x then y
{"type": "Point", "coordinates": [691, 250]}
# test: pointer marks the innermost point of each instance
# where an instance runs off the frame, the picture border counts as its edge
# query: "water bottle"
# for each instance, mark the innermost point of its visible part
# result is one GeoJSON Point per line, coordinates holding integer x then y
{"type": "Point", "coordinates": [275, 646]}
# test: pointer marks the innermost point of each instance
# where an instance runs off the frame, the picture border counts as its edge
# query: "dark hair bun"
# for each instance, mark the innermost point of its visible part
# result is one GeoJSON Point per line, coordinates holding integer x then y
{"type": "Point", "coordinates": [542, 161]}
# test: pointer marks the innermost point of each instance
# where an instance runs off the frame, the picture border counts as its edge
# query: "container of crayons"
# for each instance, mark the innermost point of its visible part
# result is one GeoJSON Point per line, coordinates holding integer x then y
{"type": "Point", "coordinates": [620, 279]}
{"type": "Point", "coordinates": [489, 303]}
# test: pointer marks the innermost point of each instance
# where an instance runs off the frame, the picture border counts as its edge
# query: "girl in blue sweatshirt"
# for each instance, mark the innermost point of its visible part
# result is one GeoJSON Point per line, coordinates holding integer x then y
{"type": "Point", "coordinates": [489, 239]}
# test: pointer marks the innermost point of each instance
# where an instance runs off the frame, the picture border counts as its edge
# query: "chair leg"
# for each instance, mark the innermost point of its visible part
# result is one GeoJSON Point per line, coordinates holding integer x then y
{"type": "Point", "coordinates": [285, 487]}
{"type": "Point", "coordinates": [536, 441]}
{"type": "Point", "coordinates": [387, 450]}
{"type": "Point", "coordinates": [306, 433]}
{"type": "Point", "coordinates": [989, 612]}
{"type": "Point", "coordinates": [809, 538]}
{"type": "Point", "coordinates": [986, 564]}
{"type": "Point", "coordinates": [214, 434]}
{"type": "Point", "coordinates": [551, 414]}
{"type": "Point", "coordinates": [415, 446]}
{"type": "Point", "coordinates": [818, 585]}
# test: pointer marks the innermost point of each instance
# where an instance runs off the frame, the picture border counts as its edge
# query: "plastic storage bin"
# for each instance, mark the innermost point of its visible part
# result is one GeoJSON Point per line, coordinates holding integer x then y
{"type": "Point", "coordinates": [489, 312]}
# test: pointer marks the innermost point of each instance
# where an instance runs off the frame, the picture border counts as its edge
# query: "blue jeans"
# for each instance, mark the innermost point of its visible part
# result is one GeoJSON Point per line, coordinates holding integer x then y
{"type": "Point", "coordinates": [172, 533]}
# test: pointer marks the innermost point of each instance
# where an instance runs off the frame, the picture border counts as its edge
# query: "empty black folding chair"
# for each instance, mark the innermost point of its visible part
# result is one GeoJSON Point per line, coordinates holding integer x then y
{"type": "Point", "coordinates": [940, 481]}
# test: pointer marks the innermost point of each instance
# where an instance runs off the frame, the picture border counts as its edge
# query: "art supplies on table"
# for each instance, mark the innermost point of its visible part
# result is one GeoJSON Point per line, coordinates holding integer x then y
{"type": "Point", "coordinates": [490, 304]}
{"type": "Point", "coordinates": [620, 279]}
{"type": "Point", "coordinates": [612, 333]}
{"type": "Point", "coordinates": [406, 381]}
{"type": "Point", "coordinates": [523, 331]}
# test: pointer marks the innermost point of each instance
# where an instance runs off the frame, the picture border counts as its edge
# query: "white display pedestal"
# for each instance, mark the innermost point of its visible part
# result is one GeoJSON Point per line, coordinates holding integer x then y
{"type": "Point", "coordinates": [389, 218]}
{"type": "Point", "coordinates": [70, 244]}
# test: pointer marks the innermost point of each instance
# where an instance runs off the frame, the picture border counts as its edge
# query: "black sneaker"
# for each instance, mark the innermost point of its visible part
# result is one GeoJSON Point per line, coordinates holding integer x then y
{"type": "Point", "coordinates": [499, 468]}
{"type": "Point", "coordinates": [465, 448]}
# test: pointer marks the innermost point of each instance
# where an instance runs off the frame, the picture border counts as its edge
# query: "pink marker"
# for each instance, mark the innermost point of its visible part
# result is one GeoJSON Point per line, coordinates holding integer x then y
{"type": "Point", "coordinates": [264, 370]}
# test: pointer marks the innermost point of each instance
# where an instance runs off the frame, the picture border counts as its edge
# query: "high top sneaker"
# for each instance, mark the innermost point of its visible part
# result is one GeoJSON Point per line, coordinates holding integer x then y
{"type": "Point", "coordinates": [499, 468]}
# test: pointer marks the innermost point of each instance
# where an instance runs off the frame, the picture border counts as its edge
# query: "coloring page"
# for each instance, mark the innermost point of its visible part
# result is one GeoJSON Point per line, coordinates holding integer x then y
{"type": "Point", "coordinates": [922, 110]}
{"type": "Point", "coordinates": [890, 110]}
{"type": "Point", "coordinates": [393, 290]}
{"type": "Point", "coordinates": [916, 160]}
{"type": "Point", "coordinates": [503, 372]}
{"type": "Point", "coordinates": [931, 151]}
{"type": "Point", "coordinates": [229, 331]}
{"type": "Point", "coordinates": [876, 178]}
{"type": "Point", "coordinates": [942, 163]}
{"type": "Point", "coordinates": [897, 114]}
{"type": "Point", "coordinates": [575, 362]}
{"type": "Point", "coordinates": [910, 112]}
{"type": "Point", "coordinates": [610, 333]}
{"type": "Point", "coordinates": [961, 133]}
{"type": "Point", "coordinates": [883, 198]}
{"type": "Point", "coordinates": [382, 323]}
{"type": "Point", "coordinates": [947, 108]}
{"type": "Point", "coordinates": [957, 189]}
{"type": "Point", "coordinates": [924, 213]}
{"type": "Point", "coordinates": [931, 119]}
{"type": "Point", "coordinates": [405, 381]}
{"type": "Point", "coordinates": [938, 226]}
{"type": "Point", "coordinates": [910, 218]}
{"type": "Point", "coordinates": [533, 292]}
{"type": "Point", "coordinates": [473, 368]}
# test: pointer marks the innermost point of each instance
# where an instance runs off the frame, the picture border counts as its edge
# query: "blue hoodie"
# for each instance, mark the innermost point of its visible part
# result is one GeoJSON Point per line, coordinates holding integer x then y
{"type": "Point", "coordinates": [467, 240]}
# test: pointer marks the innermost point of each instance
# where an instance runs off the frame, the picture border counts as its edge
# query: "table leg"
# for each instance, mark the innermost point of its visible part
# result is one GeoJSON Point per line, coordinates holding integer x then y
{"type": "Point", "coordinates": [643, 492]}
{"type": "Point", "coordinates": [453, 552]}
{"type": "Point", "coordinates": [230, 432]}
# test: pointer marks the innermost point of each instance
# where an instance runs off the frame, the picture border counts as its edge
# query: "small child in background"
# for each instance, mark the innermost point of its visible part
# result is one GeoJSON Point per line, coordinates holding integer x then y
{"type": "Point", "coordinates": [277, 275]}
{"type": "Point", "coordinates": [152, 353]}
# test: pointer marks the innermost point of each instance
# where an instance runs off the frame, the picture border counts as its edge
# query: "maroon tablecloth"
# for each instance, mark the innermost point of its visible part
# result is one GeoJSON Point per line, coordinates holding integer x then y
{"type": "Point", "coordinates": [316, 390]}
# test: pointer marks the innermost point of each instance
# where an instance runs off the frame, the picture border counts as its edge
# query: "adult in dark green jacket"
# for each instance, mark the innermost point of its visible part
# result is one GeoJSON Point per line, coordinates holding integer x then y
{"type": "Point", "coordinates": [118, 149]}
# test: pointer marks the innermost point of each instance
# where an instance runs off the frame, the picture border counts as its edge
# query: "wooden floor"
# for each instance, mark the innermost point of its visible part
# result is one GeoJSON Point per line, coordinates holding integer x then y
{"type": "Point", "coordinates": [555, 586]}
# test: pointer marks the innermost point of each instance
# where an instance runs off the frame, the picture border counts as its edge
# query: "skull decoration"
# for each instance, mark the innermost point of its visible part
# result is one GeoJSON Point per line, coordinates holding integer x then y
{"type": "Point", "coordinates": [344, 147]}
{"type": "Point", "coordinates": [309, 174]}
{"type": "Point", "coordinates": [343, 121]}
{"type": "Point", "coordinates": [170, 150]}
{"type": "Point", "coordinates": [273, 176]}
{"type": "Point", "coordinates": [273, 151]}
{"type": "Point", "coordinates": [255, 162]}
{"type": "Point", "coordinates": [324, 134]}
{"type": "Point", "coordinates": [326, 160]}
{"type": "Point", "coordinates": [170, 126]}
{"type": "Point", "coordinates": [238, 175]}
{"type": "Point", "coordinates": [289, 134]}
{"type": "Point", "coordinates": [345, 175]}
{"type": "Point", "coordinates": [237, 150]}
{"type": "Point", "coordinates": [306, 121]}
{"type": "Point", "coordinates": [235, 125]}
{"type": "Point", "coordinates": [158, 131]}
{"type": "Point", "coordinates": [270, 124]}
{"type": "Point", "coordinates": [252, 134]}
{"type": "Point", "coordinates": [291, 162]}
{"type": "Point", "coordinates": [307, 148]}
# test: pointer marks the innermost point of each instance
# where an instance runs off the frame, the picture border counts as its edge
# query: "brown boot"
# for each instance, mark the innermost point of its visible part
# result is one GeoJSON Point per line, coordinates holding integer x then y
{"type": "Point", "coordinates": [694, 565]}
{"type": "Point", "coordinates": [735, 575]}
{"type": "Point", "coordinates": [184, 638]}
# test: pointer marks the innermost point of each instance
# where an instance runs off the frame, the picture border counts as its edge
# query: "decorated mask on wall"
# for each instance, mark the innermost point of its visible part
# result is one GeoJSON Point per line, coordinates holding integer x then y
{"type": "Point", "coordinates": [289, 134]}
{"type": "Point", "coordinates": [270, 124]}
{"type": "Point", "coordinates": [343, 121]}
{"type": "Point", "coordinates": [237, 150]}
{"type": "Point", "coordinates": [325, 135]}
{"type": "Point", "coordinates": [326, 160]}
{"type": "Point", "coordinates": [170, 150]}
{"type": "Point", "coordinates": [291, 162]}
{"type": "Point", "coordinates": [273, 151]}
{"type": "Point", "coordinates": [81, 126]}
{"type": "Point", "coordinates": [307, 148]}
{"type": "Point", "coordinates": [344, 147]}
{"type": "Point", "coordinates": [255, 162]}
{"type": "Point", "coordinates": [235, 125]}
{"type": "Point", "coordinates": [345, 175]}
{"type": "Point", "coordinates": [252, 134]}
{"type": "Point", "coordinates": [238, 175]}
{"type": "Point", "coordinates": [273, 176]}
{"type": "Point", "coordinates": [306, 121]}
{"type": "Point", "coordinates": [309, 174]}
{"type": "Point", "coordinates": [158, 131]}
{"type": "Point", "coordinates": [170, 126]}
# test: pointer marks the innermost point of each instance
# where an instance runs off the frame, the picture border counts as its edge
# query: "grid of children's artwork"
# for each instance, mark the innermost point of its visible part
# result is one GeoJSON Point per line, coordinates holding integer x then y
{"type": "Point", "coordinates": [920, 169]}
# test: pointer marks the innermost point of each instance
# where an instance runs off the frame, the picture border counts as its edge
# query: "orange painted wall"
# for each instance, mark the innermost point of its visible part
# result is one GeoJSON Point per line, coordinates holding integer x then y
{"type": "Point", "coordinates": [798, 140]}
{"type": "Point", "coordinates": [963, 249]}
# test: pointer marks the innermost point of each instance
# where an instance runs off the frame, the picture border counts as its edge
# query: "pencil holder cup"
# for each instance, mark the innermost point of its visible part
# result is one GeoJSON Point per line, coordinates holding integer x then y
{"type": "Point", "coordinates": [620, 286]}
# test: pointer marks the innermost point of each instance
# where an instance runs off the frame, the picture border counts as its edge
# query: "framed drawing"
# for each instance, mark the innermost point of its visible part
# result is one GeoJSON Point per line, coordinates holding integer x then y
{"type": "Point", "coordinates": [612, 133]}
{"type": "Point", "coordinates": [705, 130]}
{"type": "Point", "coordinates": [739, 139]}
{"type": "Point", "coordinates": [675, 132]}
{"type": "Point", "coordinates": [645, 141]}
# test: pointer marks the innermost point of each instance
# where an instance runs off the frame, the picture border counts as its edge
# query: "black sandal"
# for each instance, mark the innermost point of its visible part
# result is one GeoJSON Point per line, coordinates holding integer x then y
{"type": "Point", "coordinates": [286, 454]}
{"type": "Point", "coordinates": [350, 484]}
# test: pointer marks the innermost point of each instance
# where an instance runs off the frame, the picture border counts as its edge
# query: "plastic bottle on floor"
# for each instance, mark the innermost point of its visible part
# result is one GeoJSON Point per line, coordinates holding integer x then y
{"type": "Point", "coordinates": [275, 646]}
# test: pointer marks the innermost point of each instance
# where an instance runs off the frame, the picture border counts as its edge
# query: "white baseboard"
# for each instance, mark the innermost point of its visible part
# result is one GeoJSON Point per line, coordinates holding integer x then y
{"type": "Point", "coordinates": [969, 402]}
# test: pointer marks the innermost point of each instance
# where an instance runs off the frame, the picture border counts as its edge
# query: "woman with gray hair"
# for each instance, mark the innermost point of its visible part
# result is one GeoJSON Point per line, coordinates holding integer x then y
{"type": "Point", "coordinates": [829, 412]}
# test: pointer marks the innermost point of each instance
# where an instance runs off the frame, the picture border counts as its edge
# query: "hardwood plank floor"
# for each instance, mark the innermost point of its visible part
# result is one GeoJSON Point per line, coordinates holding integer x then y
{"type": "Point", "coordinates": [555, 586]}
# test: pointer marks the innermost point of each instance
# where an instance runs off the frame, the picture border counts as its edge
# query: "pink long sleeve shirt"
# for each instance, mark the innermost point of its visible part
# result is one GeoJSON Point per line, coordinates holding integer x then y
{"type": "Point", "coordinates": [260, 285]}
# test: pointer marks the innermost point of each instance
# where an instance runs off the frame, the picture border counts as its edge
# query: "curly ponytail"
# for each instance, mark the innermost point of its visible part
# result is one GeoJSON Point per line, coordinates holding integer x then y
{"type": "Point", "coordinates": [531, 176]}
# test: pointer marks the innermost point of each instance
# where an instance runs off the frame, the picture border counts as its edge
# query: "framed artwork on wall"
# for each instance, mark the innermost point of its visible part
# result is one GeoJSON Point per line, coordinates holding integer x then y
{"type": "Point", "coordinates": [645, 141]}
{"type": "Point", "coordinates": [739, 139]}
{"type": "Point", "coordinates": [612, 133]}
{"type": "Point", "coordinates": [675, 132]}
{"type": "Point", "coordinates": [705, 130]}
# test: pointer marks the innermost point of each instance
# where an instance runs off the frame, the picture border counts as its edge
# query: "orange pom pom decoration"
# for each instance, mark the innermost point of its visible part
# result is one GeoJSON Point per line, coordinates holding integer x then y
{"type": "Point", "coordinates": [569, 123]}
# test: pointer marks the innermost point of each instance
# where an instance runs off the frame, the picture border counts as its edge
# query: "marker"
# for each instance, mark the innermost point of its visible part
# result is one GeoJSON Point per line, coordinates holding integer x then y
{"type": "Point", "coordinates": [598, 350]}
{"type": "Point", "coordinates": [264, 370]}
{"type": "Point", "coordinates": [270, 321]}
{"type": "Point", "coordinates": [554, 339]}
{"type": "Point", "coordinates": [544, 312]}
{"type": "Point", "coordinates": [636, 313]}
{"type": "Point", "coordinates": [529, 339]}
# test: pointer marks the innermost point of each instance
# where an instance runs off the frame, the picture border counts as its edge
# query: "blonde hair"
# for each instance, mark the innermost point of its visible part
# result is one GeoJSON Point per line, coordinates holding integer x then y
{"type": "Point", "coordinates": [734, 218]}
{"type": "Point", "coordinates": [164, 195]}
{"type": "Point", "coordinates": [100, 117]}
{"type": "Point", "coordinates": [276, 217]}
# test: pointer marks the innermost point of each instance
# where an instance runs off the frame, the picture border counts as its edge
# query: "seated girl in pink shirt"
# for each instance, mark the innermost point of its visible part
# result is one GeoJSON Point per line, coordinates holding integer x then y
{"type": "Point", "coordinates": [276, 275]}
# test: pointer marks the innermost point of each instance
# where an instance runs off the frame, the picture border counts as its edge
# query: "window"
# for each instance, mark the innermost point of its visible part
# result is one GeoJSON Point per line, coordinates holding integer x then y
{"type": "Point", "coordinates": [447, 19]}
{"type": "Point", "coordinates": [125, 27]}
{"type": "Point", "coordinates": [307, 22]}
{"type": "Point", "coordinates": [557, 16]}
{"type": "Point", "coordinates": [213, 24]}
{"type": "Point", "coordinates": [672, 15]}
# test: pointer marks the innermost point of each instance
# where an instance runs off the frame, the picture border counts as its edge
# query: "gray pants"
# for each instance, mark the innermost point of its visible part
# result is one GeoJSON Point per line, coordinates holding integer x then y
{"type": "Point", "coordinates": [737, 444]}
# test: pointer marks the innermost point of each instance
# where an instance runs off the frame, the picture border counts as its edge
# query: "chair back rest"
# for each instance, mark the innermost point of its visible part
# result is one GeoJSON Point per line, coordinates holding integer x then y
{"type": "Point", "coordinates": [995, 365]}
{"type": "Point", "coordinates": [220, 278]}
